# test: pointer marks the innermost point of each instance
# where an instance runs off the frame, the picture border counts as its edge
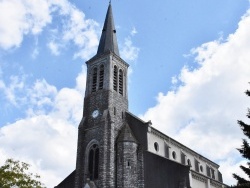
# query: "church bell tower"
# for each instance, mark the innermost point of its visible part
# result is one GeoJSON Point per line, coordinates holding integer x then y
{"type": "Point", "coordinates": [105, 104]}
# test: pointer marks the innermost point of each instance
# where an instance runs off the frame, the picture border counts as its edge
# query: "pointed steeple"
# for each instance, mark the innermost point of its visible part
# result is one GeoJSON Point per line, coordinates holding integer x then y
{"type": "Point", "coordinates": [108, 41]}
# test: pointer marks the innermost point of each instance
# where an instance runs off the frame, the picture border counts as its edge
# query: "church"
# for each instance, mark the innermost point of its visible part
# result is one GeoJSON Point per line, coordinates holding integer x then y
{"type": "Point", "coordinates": [115, 148]}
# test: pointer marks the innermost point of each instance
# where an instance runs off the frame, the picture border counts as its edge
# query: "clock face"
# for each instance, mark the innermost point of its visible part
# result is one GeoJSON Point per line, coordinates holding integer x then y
{"type": "Point", "coordinates": [95, 113]}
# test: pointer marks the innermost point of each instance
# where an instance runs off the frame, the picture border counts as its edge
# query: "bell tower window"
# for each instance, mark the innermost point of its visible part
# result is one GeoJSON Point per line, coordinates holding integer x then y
{"type": "Point", "coordinates": [93, 162]}
{"type": "Point", "coordinates": [101, 77]}
{"type": "Point", "coordinates": [115, 78]}
{"type": "Point", "coordinates": [120, 82]}
{"type": "Point", "coordinates": [94, 80]}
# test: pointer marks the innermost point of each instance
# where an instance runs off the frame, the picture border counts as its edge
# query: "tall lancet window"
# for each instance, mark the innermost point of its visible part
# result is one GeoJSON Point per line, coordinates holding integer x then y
{"type": "Point", "coordinates": [93, 162]}
{"type": "Point", "coordinates": [101, 77]}
{"type": "Point", "coordinates": [94, 79]}
{"type": "Point", "coordinates": [120, 82]}
{"type": "Point", "coordinates": [115, 78]}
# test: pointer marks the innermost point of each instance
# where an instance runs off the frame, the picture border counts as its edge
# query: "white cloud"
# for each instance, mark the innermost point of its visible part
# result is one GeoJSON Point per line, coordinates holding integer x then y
{"type": "Point", "coordinates": [43, 141]}
{"type": "Point", "coordinates": [129, 52]}
{"type": "Point", "coordinates": [39, 96]}
{"type": "Point", "coordinates": [15, 87]}
{"type": "Point", "coordinates": [54, 48]}
{"type": "Point", "coordinates": [133, 32]}
{"type": "Point", "coordinates": [202, 111]}
{"type": "Point", "coordinates": [82, 33]}
{"type": "Point", "coordinates": [19, 18]}
{"type": "Point", "coordinates": [22, 17]}
{"type": "Point", "coordinates": [35, 53]}
{"type": "Point", "coordinates": [81, 80]}
{"type": "Point", "coordinates": [230, 165]}
{"type": "Point", "coordinates": [47, 136]}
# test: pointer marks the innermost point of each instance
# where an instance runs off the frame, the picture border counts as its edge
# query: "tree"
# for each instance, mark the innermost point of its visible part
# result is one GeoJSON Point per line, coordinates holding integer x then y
{"type": "Point", "coordinates": [245, 152]}
{"type": "Point", "coordinates": [14, 174]}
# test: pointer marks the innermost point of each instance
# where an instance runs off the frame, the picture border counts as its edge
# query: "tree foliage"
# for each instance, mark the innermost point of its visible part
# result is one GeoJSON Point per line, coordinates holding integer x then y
{"type": "Point", "coordinates": [14, 174]}
{"type": "Point", "coordinates": [245, 152]}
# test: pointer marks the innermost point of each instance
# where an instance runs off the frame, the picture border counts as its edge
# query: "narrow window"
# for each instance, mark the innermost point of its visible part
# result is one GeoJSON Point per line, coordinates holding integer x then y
{"type": "Point", "coordinates": [201, 168]}
{"type": "Point", "coordinates": [196, 163]}
{"type": "Point", "coordinates": [94, 80]}
{"type": "Point", "coordinates": [114, 111]}
{"type": "Point", "coordinates": [128, 163]}
{"type": "Point", "coordinates": [115, 78]}
{"type": "Point", "coordinates": [120, 82]}
{"type": "Point", "coordinates": [101, 77]}
{"type": "Point", "coordinates": [93, 162]}
{"type": "Point", "coordinates": [96, 163]}
{"type": "Point", "coordinates": [189, 162]}
{"type": "Point", "coordinates": [208, 171]}
{"type": "Point", "coordinates": [156, 146]}
{"type": "Point", "coordinates": [166, 150]}
{"type": "Point", "coordinates": [213, 173]}
{"type": "Point", "coordinates": [174, 155]}
{"type": "Point", "coordinates": [220, 176]}
{"type": "Point", "coordinates": [183, 158]}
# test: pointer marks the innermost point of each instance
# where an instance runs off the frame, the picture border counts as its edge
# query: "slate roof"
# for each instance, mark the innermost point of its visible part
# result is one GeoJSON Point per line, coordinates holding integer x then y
{"type": "Point", "coordinates": [126, 135]}
{"type": "Point", "coordinates": [108, 41]}
{"type": "Point", "coordinates": [68, 181]}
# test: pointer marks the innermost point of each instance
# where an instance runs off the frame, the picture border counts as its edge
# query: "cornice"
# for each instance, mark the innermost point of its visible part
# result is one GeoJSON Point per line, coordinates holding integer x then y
{"type": "Point", "coordinates": [182, 147]}
{"type": "Point", "coordinates": [199, 177]}
{"type": "Point", "coordinates": [107, 53]}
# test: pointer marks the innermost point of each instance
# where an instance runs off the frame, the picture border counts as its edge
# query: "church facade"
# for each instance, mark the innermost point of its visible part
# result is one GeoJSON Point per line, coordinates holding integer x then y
{"type": "Point", "coordinates": [115, 148]}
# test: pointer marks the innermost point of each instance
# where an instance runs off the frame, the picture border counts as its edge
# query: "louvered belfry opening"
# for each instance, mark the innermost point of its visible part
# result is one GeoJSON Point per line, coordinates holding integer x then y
{"type": "Point", "coordinates": [94, 80]}
{"type": "Point", "coordinates": [120, 82]}
{"type": "Point", "coordinates": [101, 77]}
{"type": "Point", "coordinates": [115, 78]}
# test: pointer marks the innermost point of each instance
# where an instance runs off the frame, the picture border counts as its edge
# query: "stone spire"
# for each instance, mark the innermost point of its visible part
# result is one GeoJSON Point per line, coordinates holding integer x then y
{"type": "Point", "coordinates": [108, 41]}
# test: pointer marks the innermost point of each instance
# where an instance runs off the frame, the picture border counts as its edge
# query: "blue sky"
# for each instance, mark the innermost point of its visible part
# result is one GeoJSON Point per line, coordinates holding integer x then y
{"type": "Point", "coordinates": [189, 68]}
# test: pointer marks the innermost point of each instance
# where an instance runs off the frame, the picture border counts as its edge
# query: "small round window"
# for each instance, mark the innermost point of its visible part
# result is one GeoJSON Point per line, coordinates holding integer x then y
{"type": "Point", "coordinates": [174, 155]}
{"type": "Point", "coordinates": [156, 146]}
{"type": "Point", "coordinates": [201, 168]}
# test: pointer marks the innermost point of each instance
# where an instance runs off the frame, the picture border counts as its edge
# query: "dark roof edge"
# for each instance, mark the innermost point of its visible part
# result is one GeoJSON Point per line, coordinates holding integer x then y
{"type": "Point", "coordinates": [65, 179]}
{"type": "Point", "coordinates": [136, 117]}
{"type": "Point", "coordinates": [186, 166]}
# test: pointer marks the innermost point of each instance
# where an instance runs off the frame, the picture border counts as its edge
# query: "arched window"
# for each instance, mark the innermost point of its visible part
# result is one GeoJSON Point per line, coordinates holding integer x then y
{"type": "Point", "coordinates": [120, 82]}
{"type": "Point", "coordinates": [93, 165]}
{"type": "Point", "coordinates": [94, 79]}
{"type": "Point", "coordinates": [174, 155]}
{"type": "Point", "coordinates": [156, 146]}
{"type": "Point", "coordinates": [101, 77]}
{"type": "Point", "coordinates": [115, 78]}
{"type": "Point", "coordinates": [128, 163]}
